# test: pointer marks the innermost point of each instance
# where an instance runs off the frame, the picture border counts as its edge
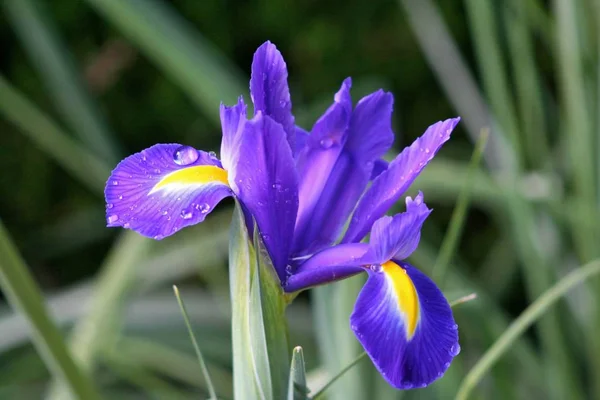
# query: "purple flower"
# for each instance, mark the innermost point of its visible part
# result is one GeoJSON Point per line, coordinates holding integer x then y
{"type": "Point", "coordinates": [400, 317]}
{"type": "Point", "coordinates": [301, 189]}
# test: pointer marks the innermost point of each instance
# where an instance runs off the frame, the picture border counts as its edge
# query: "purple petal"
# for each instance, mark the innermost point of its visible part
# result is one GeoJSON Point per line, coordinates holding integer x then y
{"type": "Point", "coordinates": [266, 182]}
{"type": "Point", "coordinates": [232, 123]}
{"type": "Point", "coordinates": [332, 264]}
{"type": "Point", "coordinates": [379, 167]}
{"type": "Point", "coordinates": [269, 89]}
{"type": "Point", "coordinates": [397, 237]}
{"type": "Point", "coordinates": [301, 139]}
{"type": "Point", "coordinates": [338, 166]}
{"type": "Point", "coordinates": [406, 326]}
{"type": "Point", "coordinates": [164, 188]}
{"type": "Point", "coordinates": [388, 187]}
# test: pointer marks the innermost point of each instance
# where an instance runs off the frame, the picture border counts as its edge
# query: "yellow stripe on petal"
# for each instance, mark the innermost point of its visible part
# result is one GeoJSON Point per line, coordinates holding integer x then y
{"type": "Point", "coordinates": [197, 175]}
{"type": "Point", "coordinates": [408, 300]}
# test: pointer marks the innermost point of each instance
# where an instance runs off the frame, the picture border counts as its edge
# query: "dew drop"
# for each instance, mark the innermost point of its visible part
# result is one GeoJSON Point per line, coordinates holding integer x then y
{"type": "Point", "coordinates": [186, 214]}
{"type": "Point", "coordinates": [120, 197]}
{"type": "Point", "coordinates": [276, 186]}
{"type": "Point", "coordinates": [427, 150]}
{"type": "Point", "coordinates": [112, 218]}
{"type": "Point", "coordinates": [109, 206]}
{"type": "Point", "coordinates": [158, 237]}
{"type": "Point", "coordinates": [165, 212]}
{"type": "Point", "coordinates": [375, 267]}
{"type": "Point", "coordinates": [126, 225]}
{"type": "Point", "coordinates": [203, 208]}
{"type": "Point", "coordinates": [185, 155]}
{"type": "Point", "coordinates": [326, 143]}
{"type": "Point", "coordinates": [115, 183]}
{"type": "Point", "coordinates": [455, 327]}
{"type": "Point", "coordinates": [455, 349]}
{"type": "Point", "coordinates": [446, 365]}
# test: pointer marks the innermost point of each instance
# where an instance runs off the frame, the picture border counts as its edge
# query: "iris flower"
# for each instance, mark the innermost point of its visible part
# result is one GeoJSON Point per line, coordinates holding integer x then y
{"type": "Point", "coordinates": [302, 189]}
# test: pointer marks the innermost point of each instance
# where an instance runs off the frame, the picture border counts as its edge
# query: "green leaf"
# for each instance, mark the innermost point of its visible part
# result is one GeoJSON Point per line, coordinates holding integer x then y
{"type": "Point", "coordinates": [297, 388]}
{"type": "Point", "coordinates": [259, 327]}
{"type": "Point", "coordinates": [24, 295]}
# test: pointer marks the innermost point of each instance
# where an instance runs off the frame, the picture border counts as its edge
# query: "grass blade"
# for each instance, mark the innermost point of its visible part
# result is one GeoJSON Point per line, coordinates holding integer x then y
{"type": "Point", "coordinates": [205, 76]}
{"type": "Point", "coordinates": [86, 167]}
{"type": "Point", "coordinates": [24, 295]}
{"type": "Point", "coordinates": [209, 384]}
{"type": "Point", "coordinates": [347, 368]}
{"type": "Point", "coordinates": [98, 330]}
{"type": "Point", "coordinates": [524, 321]}
{"type": "Point", "coordinates": [61, 76]}
{"type": "Point", "coordinates": [297, 388]}
{"type": "Point", "coordinates": [459, 214]}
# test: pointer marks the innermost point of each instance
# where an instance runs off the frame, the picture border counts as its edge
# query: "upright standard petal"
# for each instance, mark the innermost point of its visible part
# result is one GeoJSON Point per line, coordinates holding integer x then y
{"type": "Point", "coordinates": [269, 89]}
{"type": "Point", "coordinates": [164, 188]}
{"type": "Point", "coordinates": [266, 182]}
{"type": "Point", "coordinates": [232, 124]}
{"type": "Point", "coordinates": [405, 325]}
{"type": "Point", "coordinates": [346, 172]}
{"type": "Point", "coordinates": [397, 236]}
{"type": "Point", "coordinates": [391, 184]}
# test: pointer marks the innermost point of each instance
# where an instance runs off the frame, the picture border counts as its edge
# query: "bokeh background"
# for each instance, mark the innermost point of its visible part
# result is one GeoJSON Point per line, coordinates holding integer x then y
{"type": "Point", "coordinates": [85, 83]}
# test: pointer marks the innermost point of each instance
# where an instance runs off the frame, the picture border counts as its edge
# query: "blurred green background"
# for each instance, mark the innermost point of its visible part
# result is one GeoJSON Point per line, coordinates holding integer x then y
{"type": "Point", "coordinates": [85, 83]}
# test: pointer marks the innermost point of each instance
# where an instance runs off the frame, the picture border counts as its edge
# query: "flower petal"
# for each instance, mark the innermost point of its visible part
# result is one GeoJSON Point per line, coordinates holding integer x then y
{"type": "Point", "coordinates": [391, 184]}
{"type": "Point", "coordinates": [329, 265]}
{"type": "Point", "coordinates": [379, 167]}
{"type": "Point", "coordinates": [150, 193]}
{"type": "Point", "coordinates": [397, 237]}
{"type": "Point", "coordinates": [301, 139]}
{"type": "Point", "coordinates": [405, 325]}
{"type": "Point", "coordinates": [232, 123]}
{"type": "Point", "coordinates": [333, 195]}
{"type": "Point", "coordinates": [269, 89]}
{"type": "Point", "coordinates": [318, 158]}
{"type": "Point", "coordinates": [266, 182]}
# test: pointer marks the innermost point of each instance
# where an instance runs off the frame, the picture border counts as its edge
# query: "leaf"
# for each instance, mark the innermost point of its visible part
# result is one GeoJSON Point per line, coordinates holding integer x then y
{"type": "Point", "coordinates": [297, 388]}
{"type": "Point", "coordinates": [259, 327]}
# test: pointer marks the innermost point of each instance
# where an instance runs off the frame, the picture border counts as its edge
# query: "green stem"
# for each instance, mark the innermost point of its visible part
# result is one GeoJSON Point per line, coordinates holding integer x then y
{"type": "Point", "coordinates": [339, 375]}
{"type": "Point", "coordinates": [209, 384]}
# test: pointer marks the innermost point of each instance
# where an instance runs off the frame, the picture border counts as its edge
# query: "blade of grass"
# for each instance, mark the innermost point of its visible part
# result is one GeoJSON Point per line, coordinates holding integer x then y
{"type": "Point", "coordinates": [167, 39]}
{"type": "Point", "coordinates": [484, 32]}
{"type": "Point", "coordinates": [456, 80]}
{"type": "Point", "coordinates": [86, 167]}
{"type": "Point", "coordinates": [464, 299]}
{"type": "Point", "coordinates": [24, 295]}
{"type": "Point", "coordinates": [337, 376]}
{"type": "Point", "coordinates": [524, 321]}
{"type": "Point", "coordinates": [297, 389]}
{"type": "Point", "coordinates": [98, 330]}
{"type": "Point", "coordinates": [577, 128]}
{"type": "Point", "coordinates": [62, 78]}
{"type": "Point", "coordinates": [459, 214]}
{"type": "Point", "coordinates": [209, 384]}
{"type": "Point", "coordinates": [527, 81]}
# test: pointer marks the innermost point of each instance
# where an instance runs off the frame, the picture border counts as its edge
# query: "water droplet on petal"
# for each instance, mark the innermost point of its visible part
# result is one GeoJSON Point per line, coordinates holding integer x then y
{"type": "Point", "coordinates": [455, 327]}
{"type": "Point", "coordinates": [455, 349]}
{"type": "Point", "coordinates": [212, 154]}
{"type": "Point", "coordinates": [115, 183]}
{"type": "Point", "coordinates": [203, 208]}
{"type": "Point", "coordinates": [109, 206]}
{"type": "Point", "coordinates": [446, 365]}
{"type": "Point", "coordinates": [120, 197]}
{"type": "Point", "coordinates": [165, 212]}
{"type": "Point", "coordinates": [126, 225]}
{"type": "Point", "coordinates": [277, 186]}
{"type": "Point", "coordinates": [375, 267]}
{"type": "Point", "coordinates": [112, 218]}
{"type": "Point", "coordinates": [185, 155]}
{"type": "Point", "coordinates": [326, 143]}
{"type": "Point", "coordinates": [158, 237]}
{"type": "Point", "coordinates": [186, 214]}
{"type": "Point", "coordinates": [427, 150]}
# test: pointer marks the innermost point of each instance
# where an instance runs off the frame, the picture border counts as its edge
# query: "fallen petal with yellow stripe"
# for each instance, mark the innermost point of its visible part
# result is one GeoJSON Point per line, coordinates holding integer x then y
{"type": "Point", "coordinates": [401, 317]}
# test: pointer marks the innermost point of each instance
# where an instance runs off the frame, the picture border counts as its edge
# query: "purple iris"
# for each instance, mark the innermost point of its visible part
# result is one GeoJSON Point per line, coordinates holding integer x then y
{"type": "Point", "coordinates": [302, 189]}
